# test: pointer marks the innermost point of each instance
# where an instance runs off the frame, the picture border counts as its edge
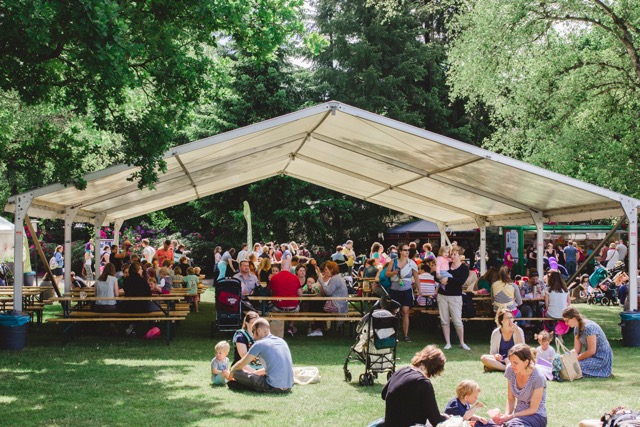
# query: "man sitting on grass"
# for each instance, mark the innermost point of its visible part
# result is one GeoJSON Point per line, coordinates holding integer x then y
{"type": "Point", "coordinates": [274, 354]}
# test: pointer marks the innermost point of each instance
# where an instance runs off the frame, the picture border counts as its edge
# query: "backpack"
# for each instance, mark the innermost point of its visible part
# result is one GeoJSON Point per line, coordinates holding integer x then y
{"type": "Point", "coordinates": [53, 263]}
{"type": "Point", "coordinates": [385, 281]}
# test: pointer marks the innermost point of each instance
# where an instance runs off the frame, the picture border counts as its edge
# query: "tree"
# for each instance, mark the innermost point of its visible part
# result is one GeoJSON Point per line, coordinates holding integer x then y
{"type": "Point", "coordinates": [133, 69]}
{"type": "Point", "coordinates": [390, 58]}
{"type": "Point", "coordinates": [561, 79]}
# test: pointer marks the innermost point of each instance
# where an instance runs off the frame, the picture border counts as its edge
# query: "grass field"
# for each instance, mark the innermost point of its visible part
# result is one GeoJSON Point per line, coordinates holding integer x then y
{"type": "Point", "coordinates": [110, 381]}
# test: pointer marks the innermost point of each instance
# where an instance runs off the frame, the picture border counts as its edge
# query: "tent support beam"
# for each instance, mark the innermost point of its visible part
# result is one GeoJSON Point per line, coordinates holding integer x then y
{"type": "Point", "coordinates": [43, 258]}
{"type": "Point", "coordinates": [69, 216]}
{"type": "Point", "coordinates": [385, 186]}
{"type": "Point", "coordinates": [23, 202]}
{"type": "Point", "coordinates": [409, 168]}
{"type": "Point", "coordinates": [538, 220]}
{"type": "Point", "coordinates": [117, 225]}
{"type": "Point", "coordinates": [444, 239]}
{"type": "Point", "coordinates": [186, 172]}
{"type": "Point", "coordinates": [96, 241]}
{"type": "Point", "coordinates": [482, 225]}
{"type": "Point", "coordinates": [631, 210]}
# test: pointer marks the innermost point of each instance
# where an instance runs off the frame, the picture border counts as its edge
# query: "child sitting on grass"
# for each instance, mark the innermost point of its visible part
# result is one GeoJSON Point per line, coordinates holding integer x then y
{"type": "Point", "coordinates": [220, 364]}
{"type": "Point", "coordinates": [544, 351]}
{"type": "Point", "coordinates": [466, 402]}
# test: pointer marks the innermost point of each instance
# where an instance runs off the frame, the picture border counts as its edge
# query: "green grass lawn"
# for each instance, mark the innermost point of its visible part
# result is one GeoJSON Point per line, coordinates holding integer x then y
{"type": "Point", "coordinates": [108, 381]}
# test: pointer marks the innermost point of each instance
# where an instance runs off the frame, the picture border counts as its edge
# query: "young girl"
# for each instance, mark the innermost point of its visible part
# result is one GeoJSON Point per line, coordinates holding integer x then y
{"type": "Point", "coordinates": [545, 351]}
{"type": "Point", "coordinates": [166, 282]}
{"type": "Point", "coordinates": [220, 364]}
{"type": "Point", "coordinates": [466, 402]}
{"type": "Point", "coordinates": [178, 278]}
{"type": "Point", "coordinates": [442, 264]}
{"type": "Point", "coordinates": [191, 283]}
{"type": "Point", "coordinates": [428, 288]}
{"type": "Point", "coordinates": [557, 298]}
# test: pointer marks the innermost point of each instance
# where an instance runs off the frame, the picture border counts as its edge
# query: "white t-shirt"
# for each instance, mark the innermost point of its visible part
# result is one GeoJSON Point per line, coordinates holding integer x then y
{"type": "Point", "coordinates": [148, 253]}
{"type": "Point", "coordinates": [546, 354]}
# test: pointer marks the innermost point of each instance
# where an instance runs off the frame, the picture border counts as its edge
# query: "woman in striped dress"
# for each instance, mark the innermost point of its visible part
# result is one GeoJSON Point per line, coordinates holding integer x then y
{"type": "Point", "coordinates": [591, 344]}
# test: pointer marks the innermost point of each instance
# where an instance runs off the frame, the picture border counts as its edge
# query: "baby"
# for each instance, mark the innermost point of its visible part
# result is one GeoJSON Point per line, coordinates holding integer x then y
{"type": "Point", "coordinates": [544, 351]}
{"type": "Point", "coordinates": [442, 264]}
{"type": "Point", "coordinates": [466, 402]}
{"type": "Point", "coordinates": [220, 364]}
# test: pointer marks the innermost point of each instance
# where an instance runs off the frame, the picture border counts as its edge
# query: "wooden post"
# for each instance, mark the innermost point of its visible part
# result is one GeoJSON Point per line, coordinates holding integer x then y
{"type": "Point", "coordinates": [44, 259]}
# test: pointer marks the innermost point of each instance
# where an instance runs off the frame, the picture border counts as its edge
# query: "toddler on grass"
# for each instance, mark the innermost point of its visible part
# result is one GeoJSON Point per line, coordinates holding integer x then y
{"type": "Point", "coordinates": [220, 364]}
{"type": "Point", "coordinates": [466, 402]}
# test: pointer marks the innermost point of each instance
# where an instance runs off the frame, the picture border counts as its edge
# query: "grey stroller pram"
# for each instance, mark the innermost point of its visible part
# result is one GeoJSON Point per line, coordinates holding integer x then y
{"type": "Point", "coordinates": [376, 343]}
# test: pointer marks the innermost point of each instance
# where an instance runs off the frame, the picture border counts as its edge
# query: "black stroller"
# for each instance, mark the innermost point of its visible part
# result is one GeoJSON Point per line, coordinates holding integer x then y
{"type": "Point", "coordinates": [376, 343]}
{"type": "Point", "coordinates": [228, 306]}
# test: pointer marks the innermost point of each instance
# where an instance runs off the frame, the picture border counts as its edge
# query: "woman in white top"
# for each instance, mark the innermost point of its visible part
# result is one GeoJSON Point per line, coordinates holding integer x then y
{"type": "Point", "coordinates": [557, 297]}
{"type": "Point", "coordinates": [107, 287]}
{"type": "Point", "coordinates": [612, 256]}
{"type": "Point", "coordinates": [404, 279]}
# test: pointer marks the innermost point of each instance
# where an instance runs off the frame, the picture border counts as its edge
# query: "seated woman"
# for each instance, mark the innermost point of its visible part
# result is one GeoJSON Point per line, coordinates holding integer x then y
{"type": "Point", "coordinates": [107, 287]}
{"type": "Point", "coordinates": [243, 339]}
{"type": "Point", "coordinates": [526, 392]}
{"type": "Point", "coordinates": [503, 338]}
{"type": "Point", "coordinates": [591, 344]}
{"type": "Point", "coordinates": [334, 287]}
{"type": "Point", "coordinates": [487, 279]}
{"type": "Point", "coordinates": [504, 293]}
{"type": "Point", "coordinates": [409, 394]}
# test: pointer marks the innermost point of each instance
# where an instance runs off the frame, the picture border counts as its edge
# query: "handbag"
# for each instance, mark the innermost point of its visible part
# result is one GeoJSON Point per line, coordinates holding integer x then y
{"type": "Point", "coordinates": [330, 307]}
{"type": "Point", "coordinates": [306, 375]}
{"type": "Point", "coordinates": [570, 366]}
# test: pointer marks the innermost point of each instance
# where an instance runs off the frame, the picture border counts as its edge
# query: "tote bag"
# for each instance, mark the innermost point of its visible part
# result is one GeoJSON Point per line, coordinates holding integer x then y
{"type": "Point", "coordinates": [306, 375]}
{"type": "Point", "coordinates": [570, 366]}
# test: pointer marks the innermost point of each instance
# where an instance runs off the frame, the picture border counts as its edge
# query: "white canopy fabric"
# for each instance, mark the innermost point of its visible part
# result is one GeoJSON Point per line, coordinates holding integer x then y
{"type": "Point", "coordinates": [352, 151]}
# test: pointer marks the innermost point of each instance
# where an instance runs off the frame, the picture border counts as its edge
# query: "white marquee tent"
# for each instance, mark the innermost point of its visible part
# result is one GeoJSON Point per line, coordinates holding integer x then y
{"type": "Point", "coordinates": [354, 152]}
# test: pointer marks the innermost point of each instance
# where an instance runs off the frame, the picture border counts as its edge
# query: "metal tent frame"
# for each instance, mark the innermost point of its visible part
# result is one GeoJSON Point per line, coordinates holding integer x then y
{"type": "Point", "coordinates": [352, 151]}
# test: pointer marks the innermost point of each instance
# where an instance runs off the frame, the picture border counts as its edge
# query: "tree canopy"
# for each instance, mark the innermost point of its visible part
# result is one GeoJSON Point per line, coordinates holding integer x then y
{"type": "Point", "coordinates": [130, 69]}
{"type": "Point", "coordinates": [561, 80]}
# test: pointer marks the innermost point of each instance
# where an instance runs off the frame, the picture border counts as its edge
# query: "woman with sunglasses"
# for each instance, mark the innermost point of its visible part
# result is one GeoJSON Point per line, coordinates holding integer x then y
{"type": "Point", "coordinates": [450, 298]}
{"type": "Point", "coordinates": [404, 279]}
{"type": "Point", "coordinates": [503, 338]}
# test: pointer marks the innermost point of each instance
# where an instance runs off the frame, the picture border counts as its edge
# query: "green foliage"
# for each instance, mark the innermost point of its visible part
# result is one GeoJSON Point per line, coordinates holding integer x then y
{"type": "Point", "coordinates": [132, 69]}
{"type": "Point", "coordinates": [561, 80]}
{"type": "Point", "coordinates": [390, 58]}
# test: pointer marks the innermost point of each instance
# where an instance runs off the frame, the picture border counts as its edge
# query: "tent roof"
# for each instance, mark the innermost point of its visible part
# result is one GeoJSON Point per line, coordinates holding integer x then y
{"type": "Point", "coordinates": [354, 152]}
{"type": "Point", "coordinates": [6, 225]}
{"type": "Point", "coordinates": [422, 226]}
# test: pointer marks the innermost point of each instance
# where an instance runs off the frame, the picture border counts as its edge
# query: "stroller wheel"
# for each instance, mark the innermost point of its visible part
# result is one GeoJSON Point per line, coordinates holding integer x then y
{"type": "Point", "coordinates": [367, 379]}
{"type": "Point", "coordinates": [362, 380]}
{"type": "Point", "coordinates": [605, 301]}
{"type": "Point", "coordinates": [347, 376]}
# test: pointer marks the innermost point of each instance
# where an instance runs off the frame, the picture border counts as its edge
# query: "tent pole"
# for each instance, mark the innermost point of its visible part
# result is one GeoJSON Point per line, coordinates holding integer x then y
{"type": "Point", "coordinates": [538, 220]}
{"type": "Point", "coordinates": [97, 225]}
{"type": "Point", "coordinates": [482, 224]}
{"type": "Point", "coordinates": [22, 205]}
{"type": "Point", "coordinates": [69, 215]}
{"type": "Point", "coordinates": [116, 231]}
{"type": "Point", "coordinates": [631, 210]}
{"type": "Point", "coordinates": [43, 258]}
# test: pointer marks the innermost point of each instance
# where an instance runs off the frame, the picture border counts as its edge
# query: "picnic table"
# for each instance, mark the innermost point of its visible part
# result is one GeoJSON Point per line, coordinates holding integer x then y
{"type": "Point", "coordinates": [360, 304]}
{"type": "Point", "coordinates": [77, 309]}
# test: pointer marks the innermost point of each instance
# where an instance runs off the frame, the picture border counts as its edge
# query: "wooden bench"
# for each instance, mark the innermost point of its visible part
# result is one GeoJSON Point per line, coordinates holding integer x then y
{"type": "Point", "coordinates": [80, 313]}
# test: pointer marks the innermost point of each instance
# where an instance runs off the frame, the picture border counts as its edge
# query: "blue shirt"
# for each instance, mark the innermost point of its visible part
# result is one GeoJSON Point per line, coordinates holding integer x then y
{"type": "Point", "coordinates": [275, 356]}
{"type": "Point", "coordinates": [456, 407]}
{"type": "Point", "coordinates": [570, 254]}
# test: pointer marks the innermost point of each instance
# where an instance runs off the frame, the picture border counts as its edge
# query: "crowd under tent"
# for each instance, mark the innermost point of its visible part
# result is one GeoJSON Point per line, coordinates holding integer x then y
{"type": "Point", "coordinates": [352, 151]}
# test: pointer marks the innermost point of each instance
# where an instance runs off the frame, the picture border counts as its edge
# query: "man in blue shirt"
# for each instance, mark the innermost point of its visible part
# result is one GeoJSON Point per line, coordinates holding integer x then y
{"type": "Point", "coordinates": [570, 253]}
{"type": "Point", "coordinates": [273, 352]}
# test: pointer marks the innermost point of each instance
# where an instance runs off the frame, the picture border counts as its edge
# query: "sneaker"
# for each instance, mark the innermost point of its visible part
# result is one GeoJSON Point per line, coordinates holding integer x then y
{"type": "Point", "coordinates": [129, 330]}
{"type": "Point", "coordinates": [407, 339]}
{"type": "Point", "coordinates": [447, 347]}
{"type": "Point", "coordinates": [290, 331]}
{"type": "Point", "coordinates": [465, 347]}
{"type": "Point", "coordinates": [317, 333]}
